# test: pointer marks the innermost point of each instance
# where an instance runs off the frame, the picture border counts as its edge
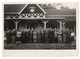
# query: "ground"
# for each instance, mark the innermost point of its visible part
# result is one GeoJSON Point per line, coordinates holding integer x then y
{"type": "Point", "coordinates": [40, 46]}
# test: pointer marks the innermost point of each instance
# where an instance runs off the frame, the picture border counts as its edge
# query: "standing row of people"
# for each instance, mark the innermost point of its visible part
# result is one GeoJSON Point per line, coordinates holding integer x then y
{"type": "Point", "coordinates": [38, 35]}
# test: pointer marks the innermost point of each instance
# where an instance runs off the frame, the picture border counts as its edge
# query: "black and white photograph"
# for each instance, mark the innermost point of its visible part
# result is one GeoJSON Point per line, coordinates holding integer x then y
{"type": "Point", "coordinates": [43, 26]}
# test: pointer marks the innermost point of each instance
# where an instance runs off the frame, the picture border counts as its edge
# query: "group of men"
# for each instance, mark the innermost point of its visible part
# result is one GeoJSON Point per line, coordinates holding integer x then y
{"type": "Point", "coordinates": [39, 35]}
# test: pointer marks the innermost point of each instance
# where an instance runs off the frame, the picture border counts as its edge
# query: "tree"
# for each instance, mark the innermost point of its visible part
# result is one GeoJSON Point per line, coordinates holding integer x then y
{"type": "Point", "coordinates": [49, 5]}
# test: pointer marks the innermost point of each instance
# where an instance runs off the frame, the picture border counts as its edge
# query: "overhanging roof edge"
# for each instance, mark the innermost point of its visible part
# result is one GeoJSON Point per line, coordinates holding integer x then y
{"type": "Point", "coordinates": [23, 8]}
{"type": "Point", "coordinates": [41, 8]}
{"type": "Point", "coordinates": [26, 6]}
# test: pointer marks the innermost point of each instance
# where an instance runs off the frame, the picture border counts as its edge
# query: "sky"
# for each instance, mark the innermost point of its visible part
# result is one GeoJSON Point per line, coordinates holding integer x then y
{"type": "Point", "coordinates": [71, 5]}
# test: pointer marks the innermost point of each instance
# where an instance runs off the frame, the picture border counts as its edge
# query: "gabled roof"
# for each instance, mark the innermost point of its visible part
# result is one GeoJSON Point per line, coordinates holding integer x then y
{"type": "Point", "coordinates": [16, 9]}
{"type": "Point", "coordinates": [26, 8]}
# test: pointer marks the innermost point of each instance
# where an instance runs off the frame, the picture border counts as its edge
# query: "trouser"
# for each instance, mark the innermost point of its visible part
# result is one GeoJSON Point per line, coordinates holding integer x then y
{"type": "Point", "coordinates": [18, 39]}
{"type": "Point", "coordinates": [56, 39]}
{"type": "Point", "coordinates": [8, 41]}
{"type": "Point", "coordinates": [46, 39]}
{"type": "Point", "coordinates": [72, 38]}
{"type": "Point", "coordinates": [13, 39]}
{"type": "Point", "coordinates": [60, 38]}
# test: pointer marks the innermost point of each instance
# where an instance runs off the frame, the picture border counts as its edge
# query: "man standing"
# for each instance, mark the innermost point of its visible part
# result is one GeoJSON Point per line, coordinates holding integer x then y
{"type": "Point", "coordinates": [56, 35]}
{"type": "Point", "coordinates": [68, 33]}
{"type": "Point", "coordinates": [60, 36]}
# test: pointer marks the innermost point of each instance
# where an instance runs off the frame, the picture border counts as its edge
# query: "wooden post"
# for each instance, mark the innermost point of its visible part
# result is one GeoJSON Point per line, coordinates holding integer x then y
{"type": "Point", "coordinates": [45, 22]}
{"type": "Point", "coordinates": [16, 24]}
{"type": "Point", "coordinates": [60, 26]}
{"type": "Point", "coordinates": [64, 36]}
